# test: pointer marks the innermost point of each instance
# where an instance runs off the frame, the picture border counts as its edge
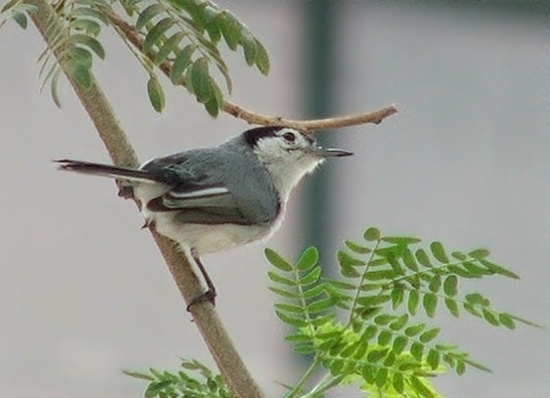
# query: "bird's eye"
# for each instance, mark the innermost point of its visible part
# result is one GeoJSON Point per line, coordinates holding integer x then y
{"type": "Point", "coordinates": [290, 137]}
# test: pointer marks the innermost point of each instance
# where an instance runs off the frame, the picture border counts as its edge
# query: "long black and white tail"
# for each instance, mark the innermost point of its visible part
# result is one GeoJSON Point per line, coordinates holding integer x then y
{"type": "Point", "coordinates": [105, 170]}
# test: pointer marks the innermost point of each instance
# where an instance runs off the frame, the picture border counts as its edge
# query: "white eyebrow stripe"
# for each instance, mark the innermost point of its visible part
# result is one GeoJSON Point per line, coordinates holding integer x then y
{"type": "Point", "coordinates": [200, 193]}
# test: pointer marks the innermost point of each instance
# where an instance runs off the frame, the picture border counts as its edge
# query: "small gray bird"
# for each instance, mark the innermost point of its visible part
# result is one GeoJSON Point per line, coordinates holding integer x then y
{"type": "Point", "coordinates": [213, 199]}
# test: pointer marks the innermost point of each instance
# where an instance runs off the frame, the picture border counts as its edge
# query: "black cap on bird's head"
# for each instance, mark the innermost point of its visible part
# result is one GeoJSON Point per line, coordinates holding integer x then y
{"type": "Point", "coordinates": [288, 139]}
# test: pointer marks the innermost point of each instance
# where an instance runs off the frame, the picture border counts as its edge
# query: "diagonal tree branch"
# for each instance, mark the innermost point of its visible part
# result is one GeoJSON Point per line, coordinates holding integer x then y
{"type": "Point", "coordinates": [206, 318]}
{"type": "Point", "coordinates": [129, 32]}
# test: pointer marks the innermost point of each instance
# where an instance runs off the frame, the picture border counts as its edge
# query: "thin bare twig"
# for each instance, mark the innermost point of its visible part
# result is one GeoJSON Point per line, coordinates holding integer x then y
{"type": "Point", "coordinates": [129, 32]}
{"type": "Point", "coordinates": [235, 374]}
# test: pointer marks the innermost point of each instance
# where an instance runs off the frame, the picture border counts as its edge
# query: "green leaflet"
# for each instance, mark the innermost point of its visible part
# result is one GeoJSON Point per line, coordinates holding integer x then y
{"type": "Point", "coordinates": [155, 93]}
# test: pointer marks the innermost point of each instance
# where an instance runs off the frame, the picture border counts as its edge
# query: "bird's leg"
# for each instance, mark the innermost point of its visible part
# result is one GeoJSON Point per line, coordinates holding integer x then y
{"type": "Point", "coordinates": [210, 294]}
{"type": "Point", "coordinates": [149, 223]}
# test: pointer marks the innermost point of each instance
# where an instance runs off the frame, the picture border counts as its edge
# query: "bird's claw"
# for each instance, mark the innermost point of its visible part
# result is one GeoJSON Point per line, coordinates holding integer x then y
{"type": "Point", "coordinates": [209, 295]}
{"type": "Point", "coordinates": [148, 224]}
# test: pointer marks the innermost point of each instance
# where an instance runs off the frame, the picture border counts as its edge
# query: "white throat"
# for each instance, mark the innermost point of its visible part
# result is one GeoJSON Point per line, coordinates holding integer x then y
{"type": "Point", "coordinates": [287, 168]}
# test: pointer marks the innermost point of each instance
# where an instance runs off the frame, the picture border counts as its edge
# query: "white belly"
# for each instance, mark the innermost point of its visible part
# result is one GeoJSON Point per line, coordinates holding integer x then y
{"type": "Point", "coordinates": [202, 238]}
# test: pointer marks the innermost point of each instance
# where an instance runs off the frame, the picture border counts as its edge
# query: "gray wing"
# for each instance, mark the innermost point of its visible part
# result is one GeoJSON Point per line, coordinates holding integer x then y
{"type": "Point", "coordinates": [210, 186]}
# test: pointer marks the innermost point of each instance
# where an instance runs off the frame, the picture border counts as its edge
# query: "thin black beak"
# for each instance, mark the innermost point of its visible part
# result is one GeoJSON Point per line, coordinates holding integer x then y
{"type": "Point", "coordinates": [330, 152]}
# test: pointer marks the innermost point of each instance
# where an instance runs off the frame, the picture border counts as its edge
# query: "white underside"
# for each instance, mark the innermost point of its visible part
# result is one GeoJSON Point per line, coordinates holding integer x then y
{"type": "Point", "coordinates": [202, 238]}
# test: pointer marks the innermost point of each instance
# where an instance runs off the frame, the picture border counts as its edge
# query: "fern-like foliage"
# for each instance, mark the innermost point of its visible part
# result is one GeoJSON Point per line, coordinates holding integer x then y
{"type": "Point", "coordinates": [17, 11]}
{"type": "Point", "coordinates": [185, 34]}
{"type": "Point", "coordinates": [192, 380]}
{"type": "Point", "coordinates": [362, 328]}
{"type": "Point", "coordinates": [180, 36]}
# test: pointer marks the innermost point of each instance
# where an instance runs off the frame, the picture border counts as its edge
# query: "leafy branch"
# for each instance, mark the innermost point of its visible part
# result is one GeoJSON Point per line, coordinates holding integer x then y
{"type": "Point", "coordinates": [180, 38]}
{"type": "Point", "coordinates": [385, 279]}
{"type": "Point", "coordinates": [380, 346]}
{"type": "Point", "coordinates": [235, 374]}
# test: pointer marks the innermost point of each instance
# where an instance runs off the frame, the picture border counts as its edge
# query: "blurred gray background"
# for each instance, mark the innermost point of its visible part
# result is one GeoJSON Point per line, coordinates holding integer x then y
{"type": "Point", "coordinates": [84, 292]}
